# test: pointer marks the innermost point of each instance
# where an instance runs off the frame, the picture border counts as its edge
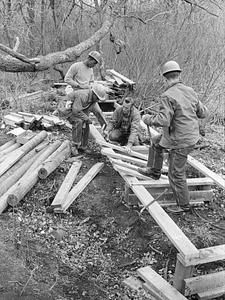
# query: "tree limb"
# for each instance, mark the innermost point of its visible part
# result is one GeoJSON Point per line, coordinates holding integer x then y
{"type": "Point", "coordinates": [19, 63]}
{"type": "Point", "coordinates": [202, 7]}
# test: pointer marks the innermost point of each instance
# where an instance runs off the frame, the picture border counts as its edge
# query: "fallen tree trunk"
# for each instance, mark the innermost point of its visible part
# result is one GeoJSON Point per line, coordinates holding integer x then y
{"type": "Point", "coordinates": [19, 153]}
{"type": "Point", "coordinates": [80, 186]}
{"type": "Point", "coordinates": [16, 193]}
{"type": "Point", "coordinates": [67, 184]}
{"type": "Point", "coordinates": [53, 162]}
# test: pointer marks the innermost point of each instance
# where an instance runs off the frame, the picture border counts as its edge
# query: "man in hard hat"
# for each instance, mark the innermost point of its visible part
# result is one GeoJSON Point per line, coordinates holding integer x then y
{"type": "Point", "coordinates": [80, 75]}
{"type": "Point", "coordinates": [82, 102]}
{"type": "Point", "coordinates": [178, 116]}
{"type": "Point", "coordinates": [124, 127]}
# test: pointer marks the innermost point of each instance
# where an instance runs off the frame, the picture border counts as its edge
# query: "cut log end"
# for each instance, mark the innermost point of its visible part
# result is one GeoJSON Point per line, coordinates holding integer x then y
{"type": "Point", "coordinates": [42, 173]}
{"type": "Point", "coordinates": [12, 200]}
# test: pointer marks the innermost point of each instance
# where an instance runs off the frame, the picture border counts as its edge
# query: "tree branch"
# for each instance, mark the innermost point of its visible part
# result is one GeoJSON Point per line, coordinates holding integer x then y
{"type": "Point", "coordinates": [203, 8]}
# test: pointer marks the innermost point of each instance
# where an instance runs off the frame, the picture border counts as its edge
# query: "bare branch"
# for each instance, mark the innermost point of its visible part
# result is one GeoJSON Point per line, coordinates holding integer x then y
{"type": "Point", "coordinates": [203, 8]}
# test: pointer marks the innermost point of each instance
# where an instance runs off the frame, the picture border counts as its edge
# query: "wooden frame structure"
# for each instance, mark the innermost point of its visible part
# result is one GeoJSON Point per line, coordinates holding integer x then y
{"type": "Point", "coordinates": [145, 189]}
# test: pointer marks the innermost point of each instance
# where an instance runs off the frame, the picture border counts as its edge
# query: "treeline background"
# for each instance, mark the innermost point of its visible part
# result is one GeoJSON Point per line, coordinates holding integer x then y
{"type": "Point", "coordinates": [146, 33]}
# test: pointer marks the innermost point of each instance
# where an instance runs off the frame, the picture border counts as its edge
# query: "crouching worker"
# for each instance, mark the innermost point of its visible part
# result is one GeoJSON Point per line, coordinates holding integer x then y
{"type": "Point", "coordinates": [178, 116]}
{"type": "Point", "coordinates": [124, 127]}
{"type": "Point", "coordinates": [79, 104]}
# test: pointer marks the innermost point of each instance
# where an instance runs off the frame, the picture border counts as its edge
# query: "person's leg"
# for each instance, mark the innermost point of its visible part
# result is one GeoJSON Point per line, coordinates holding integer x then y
{"type": "Point", "coordinates": [85, 136]}
{"type": "Point", "coordinates": [177, 175]}
{"type": "Point", "coordinates": [115, 136]}
{"type": "Point", "coordinates": [155, 160]}
{"type": "Point", "coordinates": [76, 131]}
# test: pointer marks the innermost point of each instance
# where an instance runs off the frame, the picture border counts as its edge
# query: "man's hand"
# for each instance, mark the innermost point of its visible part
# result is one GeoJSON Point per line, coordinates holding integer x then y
{"type": "Point", "coordinates": [128, 148]}
{"type": "Point", "coordinates": [105, 134]}
{"type": "Point", "coordinates": [88, 121]}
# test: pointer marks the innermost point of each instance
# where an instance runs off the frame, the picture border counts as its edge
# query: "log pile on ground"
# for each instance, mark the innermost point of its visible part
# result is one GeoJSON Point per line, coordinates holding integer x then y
{"type": "Point", "coordinates": [19, 167]}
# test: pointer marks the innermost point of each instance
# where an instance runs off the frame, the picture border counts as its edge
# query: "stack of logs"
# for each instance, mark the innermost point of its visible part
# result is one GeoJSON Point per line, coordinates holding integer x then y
{"type": "Point", "coordinates": [21, 165]}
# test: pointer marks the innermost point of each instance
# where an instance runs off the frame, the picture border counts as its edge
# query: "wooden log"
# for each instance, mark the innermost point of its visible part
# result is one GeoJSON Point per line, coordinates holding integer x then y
{"type": "Point", "coordinates": [21, 162]}
{"type": "Point", "coordinates": [11, 180]}
{"type": "Point", "coordinates": [29, 179]}
{"type": "Point", "coordinates": [7, 145]}
{"type": "Point", "coordinates": [204, 283]}
{"type": "Point", "coordinates": [162, 289]}
{"type": "Point", "coordinates": [8, 151]}
{"type": "Point", "coordinates": [80, 186]}
{"type": "Point", "coordinates": [67, 184]}
{"type": "Point", "coordinates": [51, 164]}
{"type": "Point", "coordinates": [20, 152]}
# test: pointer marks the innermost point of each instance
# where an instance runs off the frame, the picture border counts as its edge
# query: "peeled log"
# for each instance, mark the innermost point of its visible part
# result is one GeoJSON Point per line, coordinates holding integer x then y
{"type": "Point", "coordinates": [5, 152]}
{"type": "Point", "coordinates": [11, 180]}
{"type": "Point", "coordinates": [17, 165]}
{"type": "Point", "coordinates": [67, 184]}
{"type": "Point", "coordinates": [51, 164]}
{"type": "Point", "coordinates": [12, 158]}
{"type": "Point", "coordinates": [7, 144]}
{"type": "Point", "coordinates": [29, 179]}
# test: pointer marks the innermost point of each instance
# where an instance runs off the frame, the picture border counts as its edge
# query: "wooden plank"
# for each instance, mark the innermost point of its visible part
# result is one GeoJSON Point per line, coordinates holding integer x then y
{"type": "Point", "coordinates": [66, 185]}
{"type": "Point", "coordinates": [215, 293]}
{"type": "Point", "coordinates": [81, 185]}
{"type": "Point", "coordinates": [165, 182]}
{"type": "Point", "coordinates": [125, 79]}
{"type": "Point", "coordinates": [96, 134]}
{"type": "Point", "coordinates": [218, 180]}
{"type": "Point", "coordinates": [159, 285]}
{"type": "Point", "coordinates": [173, 232]}
{"type": "Point", "coordinates": [206, 255]}
{"type": "Point", "coordinates": [204, 283]}
{"type": "Point", "coordinates": [130, 159]}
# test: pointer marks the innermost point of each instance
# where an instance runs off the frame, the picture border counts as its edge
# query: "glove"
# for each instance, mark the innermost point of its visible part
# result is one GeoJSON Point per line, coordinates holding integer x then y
{"type": "Point", "coordinates": [146, 119]}
{"type": "Point", "coordinates": [128, 148]}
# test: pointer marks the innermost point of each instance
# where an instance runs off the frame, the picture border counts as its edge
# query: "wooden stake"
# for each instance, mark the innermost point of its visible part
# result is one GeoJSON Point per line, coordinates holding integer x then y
{"type": "Point", "coordinates": [67, 184]}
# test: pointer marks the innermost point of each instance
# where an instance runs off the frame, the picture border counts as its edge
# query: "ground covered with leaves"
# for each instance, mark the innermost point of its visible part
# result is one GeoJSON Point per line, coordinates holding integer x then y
{"type": "Point", "coordinates": [89, 251]}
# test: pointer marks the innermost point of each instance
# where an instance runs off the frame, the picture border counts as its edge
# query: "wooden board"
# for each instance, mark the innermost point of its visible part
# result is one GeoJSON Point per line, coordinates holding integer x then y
{"type": "Point", "coordinates": [160, 286]}
{"type": "Point", "coordinates": [205, 255]}
{"type": "Point", "coordinates": [214, 293]}
{"type": "Point", "coordinates": [173, 232]}
{"type": "Point", "coordinates": [80, 186]}
{"type": "Point", "coordinates": [204, 283]}
{"type": "Point", "coordinates": [125, 79]}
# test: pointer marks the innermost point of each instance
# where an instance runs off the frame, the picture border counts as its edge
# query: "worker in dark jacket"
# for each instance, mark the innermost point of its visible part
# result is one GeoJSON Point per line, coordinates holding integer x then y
{"type": "Point", "coordinates": [178, 116]}
{"type": "Point", "coordinates": [124, 127]}
{"type": "Point", "coordinates": [79, 104]}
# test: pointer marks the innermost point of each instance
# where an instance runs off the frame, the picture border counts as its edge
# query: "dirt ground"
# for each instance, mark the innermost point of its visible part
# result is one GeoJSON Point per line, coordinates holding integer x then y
{"type": "Point", "coordinates": [104, 241]}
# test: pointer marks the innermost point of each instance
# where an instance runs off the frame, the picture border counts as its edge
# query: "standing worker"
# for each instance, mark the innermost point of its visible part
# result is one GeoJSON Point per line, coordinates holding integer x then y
{"type": "Point", "coordinates": [80, 75]}
{"type": "Point", "coordinates": [178, 116]}
{"type": "Point", "coordinates": [124, 127]}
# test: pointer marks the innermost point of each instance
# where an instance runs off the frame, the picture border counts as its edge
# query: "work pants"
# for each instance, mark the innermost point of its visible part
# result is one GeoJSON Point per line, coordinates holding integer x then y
{"type": "Point", "coordinates": [177, 160]}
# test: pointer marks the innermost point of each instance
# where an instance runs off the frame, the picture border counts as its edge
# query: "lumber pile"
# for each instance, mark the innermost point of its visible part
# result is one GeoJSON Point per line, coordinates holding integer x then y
{"type": "Point", "coordinates": [32, 121]}
{"type": "Point", "coordinates": [20, 166]}
{"type": "Point", "coordinates": [68, 193]}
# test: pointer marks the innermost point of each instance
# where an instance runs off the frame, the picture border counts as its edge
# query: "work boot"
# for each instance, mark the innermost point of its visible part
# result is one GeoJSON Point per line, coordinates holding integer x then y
{"type": "Point", "coordinates": [74, 151]}
{"type": "Point", "coordinates": [148, 172]}
{"type": "Point", "coordinates": [179, 209]}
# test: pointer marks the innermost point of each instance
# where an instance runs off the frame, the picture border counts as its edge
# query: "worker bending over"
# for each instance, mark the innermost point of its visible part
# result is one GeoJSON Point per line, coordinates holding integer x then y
{"type": "Point", "coordinates": [178, 116]}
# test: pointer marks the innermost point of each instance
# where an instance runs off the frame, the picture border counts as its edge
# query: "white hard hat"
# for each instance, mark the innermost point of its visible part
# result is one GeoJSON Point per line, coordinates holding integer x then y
{"type": "Point", "coordinates": [170, 66]}
{"type": "Point", "coordinates": [99, 90]}
{"type": "Point", "coordinates": [96, 55]}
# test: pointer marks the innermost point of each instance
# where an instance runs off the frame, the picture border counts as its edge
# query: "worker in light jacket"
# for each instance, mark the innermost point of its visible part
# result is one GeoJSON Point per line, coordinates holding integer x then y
{"type": "Point", "coordinates": [178, 116]}
{"type": "Point", "coordinates": [124, 127]}
{"type": "Point", "coordinates": [81, 75]}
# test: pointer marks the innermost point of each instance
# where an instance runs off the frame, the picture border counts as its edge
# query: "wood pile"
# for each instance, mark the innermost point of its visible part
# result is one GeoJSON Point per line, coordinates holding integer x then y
{"type": "Point", "coordinates": [32, 121]}
{"type": "Point", "coordinates": [20, 165]}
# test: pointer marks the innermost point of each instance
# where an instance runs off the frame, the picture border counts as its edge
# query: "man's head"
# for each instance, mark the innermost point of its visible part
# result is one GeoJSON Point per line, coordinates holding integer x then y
{"type": "Point", "coordinates": [94, 57]}
{"type": "Point", "coordinates": [171, 70]}
{"type": "Point", "coordinates": [128, 103]}
{"type": "Point", "coordinates": [98, 92]}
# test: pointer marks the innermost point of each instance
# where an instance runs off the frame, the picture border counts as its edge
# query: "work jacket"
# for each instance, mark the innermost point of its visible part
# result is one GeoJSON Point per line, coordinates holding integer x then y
{"type": "Point", "coordinates": [178, 116]}
{"type": "Point", "coordinates": [133, 120]}
{"type": "Point", "coordinates": [81, 105]}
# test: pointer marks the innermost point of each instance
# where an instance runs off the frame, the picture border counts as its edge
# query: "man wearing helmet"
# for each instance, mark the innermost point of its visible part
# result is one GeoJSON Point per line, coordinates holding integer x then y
{"type": "Point", "coordinates": [124, 127]}
{"type": "Point", "coordinates": [178, 116]}
{"type": "Point", "coordinates": [82, 103]}
{"type": "Point", "coordinates": [80, 75]}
